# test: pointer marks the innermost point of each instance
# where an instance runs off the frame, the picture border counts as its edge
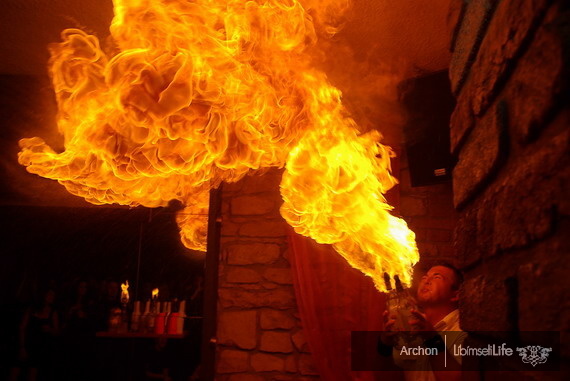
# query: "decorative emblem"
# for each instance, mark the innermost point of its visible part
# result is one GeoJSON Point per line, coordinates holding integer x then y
{"type": "Point", "coordinates": [534, 354]}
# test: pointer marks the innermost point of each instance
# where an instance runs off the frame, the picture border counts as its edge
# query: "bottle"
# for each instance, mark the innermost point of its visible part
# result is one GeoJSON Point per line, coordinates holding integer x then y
{"type": "Point", "coordinates": [159, 323]}
{"type": "Point", "coordinates": [172, 323]}
{"type": "Point", "coordinates": [143, 327]}
{"type": "Point", "coordinates": [152, 316]}
{"type": "Point", "coordinates": [392, 300]}
{"type": "Point", "coordinates": [403, 311]}
{"type": "Point", "coordinates": [181, 317]}
{"type": "Point", "coordinates": [399, 302]}
{"type": "Point", "coordinates": [167, 312]}
{"type": "Point", "coordinates": [136, 317]}
{"type": "Point", "coordinates": [406, 303]}
{"type": "Point", "coordinates": [387, 282]}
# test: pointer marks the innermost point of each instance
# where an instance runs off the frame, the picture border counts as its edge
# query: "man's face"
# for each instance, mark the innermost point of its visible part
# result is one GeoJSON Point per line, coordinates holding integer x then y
{"type": "Point", "coordinates": [436, 287]}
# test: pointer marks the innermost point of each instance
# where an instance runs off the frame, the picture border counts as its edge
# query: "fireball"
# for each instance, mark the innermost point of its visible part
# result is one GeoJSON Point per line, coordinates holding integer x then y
{"type": "Point", "coordinates": [195, 93]}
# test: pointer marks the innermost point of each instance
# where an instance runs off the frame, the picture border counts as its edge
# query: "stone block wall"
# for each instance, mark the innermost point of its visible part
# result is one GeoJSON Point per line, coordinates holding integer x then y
{"type": "Point", "coordinates": [259, 331]}
{"type": "Point", "coordinates": [510, 136]}
{"type": "Point", "coordinates": [429, 212]}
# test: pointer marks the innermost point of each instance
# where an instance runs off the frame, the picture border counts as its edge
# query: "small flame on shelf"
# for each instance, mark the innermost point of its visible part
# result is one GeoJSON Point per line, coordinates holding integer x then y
{"type": "Point", "coordinates": [125, 292]}
{"type": "Point", "coordinates": [155, 294]}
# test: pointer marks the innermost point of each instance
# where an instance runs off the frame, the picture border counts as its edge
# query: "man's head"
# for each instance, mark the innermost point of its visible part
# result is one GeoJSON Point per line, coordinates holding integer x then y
{"type": "Point", "coordinates": [440, 286]}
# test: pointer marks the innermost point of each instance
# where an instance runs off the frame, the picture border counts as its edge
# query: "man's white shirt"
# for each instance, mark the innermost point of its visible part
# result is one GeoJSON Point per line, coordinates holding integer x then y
{"type": "Point", "coordinates": [418, 368]}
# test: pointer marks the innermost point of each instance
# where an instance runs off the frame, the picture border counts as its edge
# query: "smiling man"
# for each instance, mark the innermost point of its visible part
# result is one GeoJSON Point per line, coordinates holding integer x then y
{"type": "Point", "coordinates": [437, 297]}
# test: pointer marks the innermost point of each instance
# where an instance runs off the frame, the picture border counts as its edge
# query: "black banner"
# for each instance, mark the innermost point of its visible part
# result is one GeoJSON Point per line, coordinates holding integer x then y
{"type": "Point", "coordinates": [470, 351]}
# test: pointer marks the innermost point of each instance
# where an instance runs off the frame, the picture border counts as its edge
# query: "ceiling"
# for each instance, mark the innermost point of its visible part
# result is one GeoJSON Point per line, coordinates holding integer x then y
{"type": "Point", "coordinates": [411, 30]}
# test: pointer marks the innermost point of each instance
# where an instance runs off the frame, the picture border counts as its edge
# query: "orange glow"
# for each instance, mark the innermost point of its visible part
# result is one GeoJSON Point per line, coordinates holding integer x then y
{"type": "Point", "coordinates": [194, 93]}
{"type": "Point", "coordinates": [125, 292]}
{"type": "Point", "coordinates": [155, 294]}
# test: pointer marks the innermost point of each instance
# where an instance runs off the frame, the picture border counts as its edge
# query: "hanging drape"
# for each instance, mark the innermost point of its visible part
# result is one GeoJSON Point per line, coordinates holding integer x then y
{"type": "Point", "coordinates": [334, 299]}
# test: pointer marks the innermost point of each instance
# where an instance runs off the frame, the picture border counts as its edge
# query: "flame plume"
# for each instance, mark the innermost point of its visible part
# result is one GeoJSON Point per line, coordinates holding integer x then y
{"type": "Point", "coordinates": [194, 93]}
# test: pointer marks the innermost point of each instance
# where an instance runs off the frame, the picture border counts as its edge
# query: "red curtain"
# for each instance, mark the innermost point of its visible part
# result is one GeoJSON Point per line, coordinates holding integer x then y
{"type": "Point", "coordinates": [335, 299]}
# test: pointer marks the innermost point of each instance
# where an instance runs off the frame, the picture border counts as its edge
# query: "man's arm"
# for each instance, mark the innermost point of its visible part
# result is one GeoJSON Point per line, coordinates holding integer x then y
{"type": "Point", "coordinates": [386, 342]}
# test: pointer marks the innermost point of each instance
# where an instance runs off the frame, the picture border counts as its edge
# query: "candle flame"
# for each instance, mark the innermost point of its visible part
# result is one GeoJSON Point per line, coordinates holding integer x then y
{"type": "Point", "coordinates": [125, 292]}
{"type": "Point", "coordinates": [155, 293]}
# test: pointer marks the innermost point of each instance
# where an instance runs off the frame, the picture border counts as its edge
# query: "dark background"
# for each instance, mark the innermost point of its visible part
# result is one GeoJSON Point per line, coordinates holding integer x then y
{"type": "Point", "coordinates": [52, 239]}
{"type": "Point", "coordinates": [46, 244]}
{"type": "Point", "coordinates": [48, 235]}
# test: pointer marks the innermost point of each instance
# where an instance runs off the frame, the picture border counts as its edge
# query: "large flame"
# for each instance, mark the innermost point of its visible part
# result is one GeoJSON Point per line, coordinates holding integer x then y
{"type": "Point", "coordinates": [193, 93]}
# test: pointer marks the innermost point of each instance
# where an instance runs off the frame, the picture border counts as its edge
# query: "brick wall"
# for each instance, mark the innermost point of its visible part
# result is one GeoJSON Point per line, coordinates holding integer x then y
{"type": "Point", "coordinates": [429, 212]}
{"type": "Point", "coordinates": [510, 135]}
{"type": "Point", "coordinates": [259, 331]}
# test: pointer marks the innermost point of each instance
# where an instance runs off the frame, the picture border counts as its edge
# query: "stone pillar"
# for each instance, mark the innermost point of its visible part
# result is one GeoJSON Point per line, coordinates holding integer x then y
{"type": "Point", "coordinates": [259, 331]}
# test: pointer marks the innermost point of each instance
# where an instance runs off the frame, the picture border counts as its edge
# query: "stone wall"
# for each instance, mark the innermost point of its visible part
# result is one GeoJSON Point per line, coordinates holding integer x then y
{"type": "Point", "coordinates": [259, 330]}
{"type": "Point", "coordinates": [510, 135]}
{"type": "Point", "coordinates": [430, 214]}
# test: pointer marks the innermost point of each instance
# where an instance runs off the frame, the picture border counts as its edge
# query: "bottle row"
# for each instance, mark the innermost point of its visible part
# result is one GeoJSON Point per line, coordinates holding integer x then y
{"type": "Point", "coordinates": [157, 318]}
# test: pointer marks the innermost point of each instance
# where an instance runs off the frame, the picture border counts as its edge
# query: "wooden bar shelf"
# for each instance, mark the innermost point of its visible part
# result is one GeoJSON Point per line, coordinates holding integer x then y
{"type": "Point", "coordinates": [140, 335]}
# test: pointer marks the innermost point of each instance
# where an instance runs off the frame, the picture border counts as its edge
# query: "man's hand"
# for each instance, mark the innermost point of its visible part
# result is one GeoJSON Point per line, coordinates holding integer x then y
{"type": "Point", "coordinates": [390, 332]}
{"type": "Point", "coordinates": [419, 324]}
